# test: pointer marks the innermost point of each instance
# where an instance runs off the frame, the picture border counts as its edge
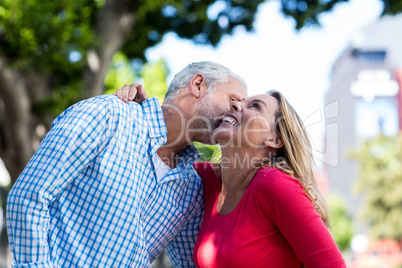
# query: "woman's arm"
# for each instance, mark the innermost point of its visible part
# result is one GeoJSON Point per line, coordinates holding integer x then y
{"type": "Point", "coordinates": [291, 210]}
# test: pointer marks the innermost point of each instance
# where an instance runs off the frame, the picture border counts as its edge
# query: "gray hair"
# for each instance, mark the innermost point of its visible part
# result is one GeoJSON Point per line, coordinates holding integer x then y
{"type": "Point", "coordinates": [214, 74]}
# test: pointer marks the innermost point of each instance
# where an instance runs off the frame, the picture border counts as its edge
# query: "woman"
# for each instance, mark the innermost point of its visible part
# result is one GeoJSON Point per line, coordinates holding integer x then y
{"type": "Point", "coordinates": [262, 205]}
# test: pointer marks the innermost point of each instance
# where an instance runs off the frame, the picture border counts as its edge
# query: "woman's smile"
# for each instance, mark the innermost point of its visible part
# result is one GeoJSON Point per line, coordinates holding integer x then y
{"type": "Point", "coordinates": [230, 119]}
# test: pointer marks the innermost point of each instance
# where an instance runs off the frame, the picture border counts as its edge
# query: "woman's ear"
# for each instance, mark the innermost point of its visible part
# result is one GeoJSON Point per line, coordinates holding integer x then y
{"type": "Point", "coordinates": [197, 85]}
{"type": "Point", "coordinates": [274, 142]}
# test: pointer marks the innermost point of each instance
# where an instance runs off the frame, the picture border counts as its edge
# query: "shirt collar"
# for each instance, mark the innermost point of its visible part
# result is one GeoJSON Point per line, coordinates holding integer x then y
{"type": "Point", "coordinates": [187, 158]}
{"type": "Point", "coordinates": [154, 116]}
{"type": "Point", "coordinates": [189, 155]}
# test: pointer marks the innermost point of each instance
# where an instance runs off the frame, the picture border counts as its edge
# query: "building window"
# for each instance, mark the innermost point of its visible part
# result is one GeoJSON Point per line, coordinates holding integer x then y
{"type": "Point", "coordinates": [369, 55]}
{"type": "Point", "coordinates": [377, 116]}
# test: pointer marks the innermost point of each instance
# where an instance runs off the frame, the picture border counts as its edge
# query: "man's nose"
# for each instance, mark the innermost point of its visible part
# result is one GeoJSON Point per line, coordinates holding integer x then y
{"type": "Point", "coordinates": [235, 105]}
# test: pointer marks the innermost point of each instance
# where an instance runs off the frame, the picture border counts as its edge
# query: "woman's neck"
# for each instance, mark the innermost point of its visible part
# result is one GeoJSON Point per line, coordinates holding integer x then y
{"type": "Point", "coordinates": [237, 170]}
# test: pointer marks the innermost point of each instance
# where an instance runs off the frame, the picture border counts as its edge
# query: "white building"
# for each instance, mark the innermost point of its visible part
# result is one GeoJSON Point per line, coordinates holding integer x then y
{"type": "Point", "coordinates": [366, 81]}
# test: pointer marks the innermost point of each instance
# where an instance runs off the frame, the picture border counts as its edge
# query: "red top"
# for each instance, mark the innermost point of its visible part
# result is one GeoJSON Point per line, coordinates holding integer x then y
{"type": "Point", "coordinates": [274, 225]}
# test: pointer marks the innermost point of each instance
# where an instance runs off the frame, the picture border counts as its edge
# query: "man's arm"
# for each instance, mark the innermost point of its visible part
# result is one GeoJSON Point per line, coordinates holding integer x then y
{"type": "Point", "coordinates": [76, 138]}
{"type": "Point", "coordinates": [180, 249]}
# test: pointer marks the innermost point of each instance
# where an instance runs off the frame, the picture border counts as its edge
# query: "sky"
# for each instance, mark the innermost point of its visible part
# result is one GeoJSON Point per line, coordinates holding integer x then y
{"type": "Point", "coordinates": [276, 56]}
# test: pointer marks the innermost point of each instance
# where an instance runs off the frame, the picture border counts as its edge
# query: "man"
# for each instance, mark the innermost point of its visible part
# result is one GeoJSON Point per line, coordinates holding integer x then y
{"type": "Point", "coordinates": [112, 184]}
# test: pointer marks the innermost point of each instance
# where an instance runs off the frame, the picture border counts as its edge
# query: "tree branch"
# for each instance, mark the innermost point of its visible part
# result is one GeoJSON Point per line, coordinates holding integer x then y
{"type": "Point", "coordinates": [17, 149]}
{"type": "Point", "coordinates": [113, 26]}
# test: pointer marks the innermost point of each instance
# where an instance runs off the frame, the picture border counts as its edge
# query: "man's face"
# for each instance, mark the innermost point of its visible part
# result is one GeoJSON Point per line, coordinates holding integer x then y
{"type": "Point", "coordinates": [213, 107]}
{"type": "Point", "coordinates": [225, 93]}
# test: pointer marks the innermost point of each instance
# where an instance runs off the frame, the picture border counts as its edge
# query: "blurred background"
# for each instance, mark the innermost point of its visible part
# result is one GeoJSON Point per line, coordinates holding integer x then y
{"type": "Point", "coordinates": [339, 63]}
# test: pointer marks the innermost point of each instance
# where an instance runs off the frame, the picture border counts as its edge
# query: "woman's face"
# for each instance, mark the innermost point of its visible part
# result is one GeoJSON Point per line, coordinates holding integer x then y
{"type": "Point", "coordinates": [249, 124]}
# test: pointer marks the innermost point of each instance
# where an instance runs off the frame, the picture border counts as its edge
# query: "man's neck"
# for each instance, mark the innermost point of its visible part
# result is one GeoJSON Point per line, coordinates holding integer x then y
{"type": "Point", "coordinates": [176, 140]}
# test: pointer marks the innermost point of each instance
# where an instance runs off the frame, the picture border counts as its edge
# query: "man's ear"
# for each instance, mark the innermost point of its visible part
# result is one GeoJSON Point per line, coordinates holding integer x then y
{"type": "Point", "coordinates": [197, 85]}
{"type": "Point", "coordinates": [274, 142]}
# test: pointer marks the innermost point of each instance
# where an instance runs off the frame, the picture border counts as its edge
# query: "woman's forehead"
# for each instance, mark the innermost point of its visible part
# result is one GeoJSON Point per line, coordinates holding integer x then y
{"type": "Point", "coordinates": [267, 99]}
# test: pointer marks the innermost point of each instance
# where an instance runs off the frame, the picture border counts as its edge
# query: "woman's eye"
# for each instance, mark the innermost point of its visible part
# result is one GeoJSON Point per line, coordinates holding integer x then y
{"type": "Point", "coordinates": [255, 105]}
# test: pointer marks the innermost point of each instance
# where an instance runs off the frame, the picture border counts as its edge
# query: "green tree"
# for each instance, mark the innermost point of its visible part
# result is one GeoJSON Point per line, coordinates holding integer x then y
{"type": "Point", "coordinates": [380, 178]}
{"type": "Point", "coordinates": [54, 53]}
{"type": "Point", "coordinates": [151, 75]}
{"type": "Point", "coordinates": [342, 226]}
{"type": "Point", "coordinates": [154, 77]}
{"type": "Point", "coordinates": [307, 12]}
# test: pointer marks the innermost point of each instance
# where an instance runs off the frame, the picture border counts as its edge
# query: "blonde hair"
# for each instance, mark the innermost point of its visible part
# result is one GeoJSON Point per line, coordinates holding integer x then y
{"type": "Point", "coordinates": [295, 157]}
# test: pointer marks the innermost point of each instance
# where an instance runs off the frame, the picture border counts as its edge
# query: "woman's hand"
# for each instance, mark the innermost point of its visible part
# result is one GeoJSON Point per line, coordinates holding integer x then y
{"type": "Point", "coordinates": [134, 92]}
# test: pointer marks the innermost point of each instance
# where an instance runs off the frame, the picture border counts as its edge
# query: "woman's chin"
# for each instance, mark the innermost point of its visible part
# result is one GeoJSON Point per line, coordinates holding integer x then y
{"type": "Point", "coordinates": [224, 126]}
{"type": "Point", "coordinates": [222, 132]}
{"type": "Point", "coordinates": [225, 136]}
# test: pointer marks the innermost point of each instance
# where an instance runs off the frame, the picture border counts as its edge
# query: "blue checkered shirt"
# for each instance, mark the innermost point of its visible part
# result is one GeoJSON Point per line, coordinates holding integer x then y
{"type": "Point", "coordinates": [89, 197]}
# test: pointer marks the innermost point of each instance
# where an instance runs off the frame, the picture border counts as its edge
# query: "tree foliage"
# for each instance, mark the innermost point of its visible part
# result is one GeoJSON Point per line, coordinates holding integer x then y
{"type": "Point", "coordinates": [380, 178]}
{"type": "Point", "coordinates": [342, 225]}
{"type": "Point", "coordinates": [54, 53]}
{"type": "Point", "coordinates": [151, 75]}
{"type": "Point", "coordinates": [307, 12]}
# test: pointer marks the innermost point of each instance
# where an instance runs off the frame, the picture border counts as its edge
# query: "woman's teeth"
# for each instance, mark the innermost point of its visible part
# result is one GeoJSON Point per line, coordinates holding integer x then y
{"type": "Point", "coordinates": [230, 120]}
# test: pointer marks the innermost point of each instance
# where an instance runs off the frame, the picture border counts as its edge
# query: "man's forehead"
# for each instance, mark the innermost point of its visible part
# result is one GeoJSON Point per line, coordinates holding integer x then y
{"type": "Point", "coordinates": [233, 89]}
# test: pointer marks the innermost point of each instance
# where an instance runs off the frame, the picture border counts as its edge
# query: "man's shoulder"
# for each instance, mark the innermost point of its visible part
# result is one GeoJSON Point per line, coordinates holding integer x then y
{"type": "Point", "coordinates": [100, 107]}
{"type": "Point", "coordinates": [98, 103]}
{"type": "Point", "coordinates": [114, 106]}
{"type": "Point", "coordinates": [98, 100]}
{"type": "Point", "coordinates": [111, 101]}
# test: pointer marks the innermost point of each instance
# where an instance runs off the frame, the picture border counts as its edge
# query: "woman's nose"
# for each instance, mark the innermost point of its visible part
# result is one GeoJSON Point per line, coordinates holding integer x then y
{"type": "Point", "coordinates": [236, 105]}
